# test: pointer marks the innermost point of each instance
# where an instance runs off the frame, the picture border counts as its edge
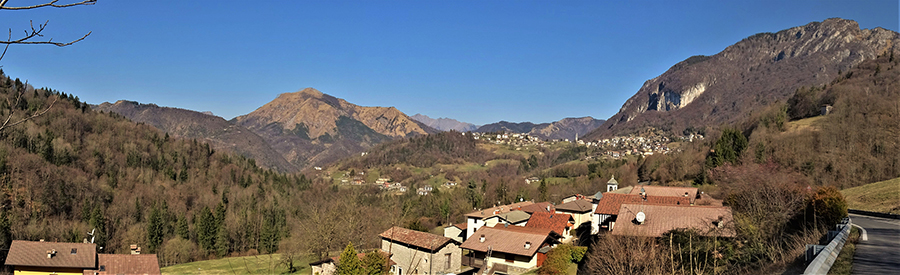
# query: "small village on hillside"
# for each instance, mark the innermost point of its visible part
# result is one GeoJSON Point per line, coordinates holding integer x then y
{"type": "Point", "coordinates": [516, 238]}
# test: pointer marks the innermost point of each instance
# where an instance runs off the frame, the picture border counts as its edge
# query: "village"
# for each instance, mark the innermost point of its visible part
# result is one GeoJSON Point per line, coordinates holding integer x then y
{"type": "Point", "coordinates": [516, 238]}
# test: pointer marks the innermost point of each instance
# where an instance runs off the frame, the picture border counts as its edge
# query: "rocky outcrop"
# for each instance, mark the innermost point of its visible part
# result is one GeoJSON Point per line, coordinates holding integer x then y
{"type": "Point", "coordinates": [757, 71]}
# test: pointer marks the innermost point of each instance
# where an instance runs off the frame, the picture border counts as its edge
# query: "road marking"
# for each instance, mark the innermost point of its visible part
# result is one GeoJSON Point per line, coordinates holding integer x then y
{"type": "Point", "coordinates": [863, 235]}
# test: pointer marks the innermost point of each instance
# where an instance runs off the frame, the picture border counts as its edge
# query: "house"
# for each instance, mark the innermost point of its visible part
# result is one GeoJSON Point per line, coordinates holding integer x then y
{"type": "Point", "coordinates": [515, 217]}
{"type": "Point", "coordinates": [417, 252]}
{"type": "Point", "coordinates": [456, 232]}
{"type": "Point", "coordinates": [581, 210]}
{"type": "Point", "coordinates": [538, 207]}
{"type": "Point", "coordinates": [665, 191]}
{"type": "Point", "coordinates": [329, 266]}
{"type": "Point", "coordinates": [562, 224]}
{"type": "Point", "coordinates": [508, 250]}
{"type": "Point", "coordinates": [656, 220]}
{"type": "Point", "coordinates": [128, 264]}
{"type": "Point", "coordinates": [28, 257]}
{"type": "Point", "coordinates": [477, 219]}
{"type": "Point", "coordinates": [609, 204]}
{"type": "Point", "coordinates": [531, 180]}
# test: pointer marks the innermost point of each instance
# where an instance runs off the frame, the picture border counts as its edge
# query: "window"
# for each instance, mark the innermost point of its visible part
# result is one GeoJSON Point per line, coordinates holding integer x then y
{"type": "Point", "coordinates": [447, 256]}
{"type": "Point", "coordinates": [510, 258]}
{"type": "Point", "coordinates": [74, 250]}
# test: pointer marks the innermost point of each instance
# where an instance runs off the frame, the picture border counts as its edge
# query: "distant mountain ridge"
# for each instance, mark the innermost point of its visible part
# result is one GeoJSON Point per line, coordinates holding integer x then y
{"type": "Point", "coordinates": [216, 131]}
{"type": "Point", "coordinates": [759, 70]}
{"type": "Point", "coordinates": [445, 124]}
{"type": "Point", "coordinates": [567, 128]}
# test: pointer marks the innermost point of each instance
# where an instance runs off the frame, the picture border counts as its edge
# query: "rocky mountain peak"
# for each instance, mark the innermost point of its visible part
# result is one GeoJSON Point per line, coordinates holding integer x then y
{"type": "Point", "coordinates": [756, 71]}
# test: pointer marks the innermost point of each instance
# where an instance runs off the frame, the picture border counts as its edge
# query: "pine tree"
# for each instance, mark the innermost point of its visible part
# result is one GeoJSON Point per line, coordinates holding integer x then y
{"type": "Point", "coordinates": [375, 263]}
{"type": "Point", "coordinates": [155, 229]}
{"type": "Point", "coordinates": [181, 228]}
{"type": "Point", "coordinates": [222, 241]}
{"type": "Point", "coordinates": [349, 264]}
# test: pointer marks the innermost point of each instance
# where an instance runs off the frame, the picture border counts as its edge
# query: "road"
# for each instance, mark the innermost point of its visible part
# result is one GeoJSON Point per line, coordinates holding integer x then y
{"type": "Point", "coordinates": [880, 253]}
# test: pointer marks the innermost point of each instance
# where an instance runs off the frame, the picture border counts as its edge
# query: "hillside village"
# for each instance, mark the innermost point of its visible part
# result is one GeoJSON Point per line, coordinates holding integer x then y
{"type": "Point", "coordinates": [516, 238]}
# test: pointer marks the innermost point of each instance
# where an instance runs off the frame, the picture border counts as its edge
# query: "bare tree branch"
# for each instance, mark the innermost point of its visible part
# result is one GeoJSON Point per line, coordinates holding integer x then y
{"type": "Point", "coordinates": [48, 4]}
{"type": "Point", "coordinates": [36, 32]}
{"type": "Point", "coordinates": [12, 107]}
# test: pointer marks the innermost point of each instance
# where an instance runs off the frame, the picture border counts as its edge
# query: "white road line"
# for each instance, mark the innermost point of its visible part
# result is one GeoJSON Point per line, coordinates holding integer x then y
{"type": "Point", "coordinates": [863, 235]}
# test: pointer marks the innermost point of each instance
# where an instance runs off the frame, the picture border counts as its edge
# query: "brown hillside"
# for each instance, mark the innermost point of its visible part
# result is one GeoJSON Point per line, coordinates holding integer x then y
{"type": "Point", "coordinates": [216, 131]}
{"type": "Point", "coordinates": [757, 71]}
{"type": "Point", "coordinates": [312, 128]}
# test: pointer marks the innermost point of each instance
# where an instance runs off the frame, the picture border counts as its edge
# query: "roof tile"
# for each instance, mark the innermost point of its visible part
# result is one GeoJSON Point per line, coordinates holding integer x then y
{"type": "Point", "coordinates": [411, 237]}
{"type": "Point", "coordinates": [29, 253]}
{"type": "Point", "coordinates": [662, 218]}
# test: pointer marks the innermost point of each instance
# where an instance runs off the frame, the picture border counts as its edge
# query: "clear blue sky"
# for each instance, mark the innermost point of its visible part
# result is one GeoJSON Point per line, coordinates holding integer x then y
{"type": "Point", "coordinates": [475, 61]}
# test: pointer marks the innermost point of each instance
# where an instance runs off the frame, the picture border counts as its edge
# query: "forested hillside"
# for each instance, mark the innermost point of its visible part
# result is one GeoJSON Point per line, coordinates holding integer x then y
{"type": "Point", "coordinates": [73, 170]}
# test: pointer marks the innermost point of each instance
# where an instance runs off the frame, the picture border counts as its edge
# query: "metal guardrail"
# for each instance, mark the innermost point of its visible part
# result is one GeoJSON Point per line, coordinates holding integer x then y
{"type": "Point", "coordinates": [825, 258]}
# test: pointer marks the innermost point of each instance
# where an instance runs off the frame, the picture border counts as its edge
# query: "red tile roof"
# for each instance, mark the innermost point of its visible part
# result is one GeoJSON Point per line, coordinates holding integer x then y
{"type": "Point", "coordinates": [461, 226]}
{"type": "Point", "coordinates": [28, 253]}
{"type": "Point", "coordinates": [420, 239]}
{"type": "Point", "coordinates": [481, 214]}
{"type": "Point", "coordinates": [662, 218]}
{"type": "Point", "coordinates": [576, 206]}
{"type": "Point", "coordinates": [665, 191]}
{"type": "Point", "coordinates": [511, 240]}
{"type": "Point", "coordinates": [610, 203]}
{"type": "Point", "coordinates": [556, 222]}
{"type": "Point", "coordinates": [127, 264]}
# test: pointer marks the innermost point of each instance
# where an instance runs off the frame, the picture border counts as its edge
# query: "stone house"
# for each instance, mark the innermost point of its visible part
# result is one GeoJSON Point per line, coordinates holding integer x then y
{"type": "Point", "coordinates": [508, 250]}
{"type": "Point", "coordinates": [415, 252]}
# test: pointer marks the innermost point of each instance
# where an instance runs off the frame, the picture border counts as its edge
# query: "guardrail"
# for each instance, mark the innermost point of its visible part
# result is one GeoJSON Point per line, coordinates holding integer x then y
{"type": "Point", "coordinates": [826, 256]}
{"type": "Point", "coordinates": [874, 214]}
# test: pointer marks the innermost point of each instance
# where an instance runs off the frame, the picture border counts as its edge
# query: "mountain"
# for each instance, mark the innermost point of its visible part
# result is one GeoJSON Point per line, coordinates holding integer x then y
{"type": "Point", "coordinates": [759, 70]}
{"type": "Point", "coordinates": [311, 128]}
{"type": "Point", "coordinates": [445, 124]}
{"type": "Point", "coordinates": [567, 128]}
{"type": "Point", "coordinates": [216, 131]}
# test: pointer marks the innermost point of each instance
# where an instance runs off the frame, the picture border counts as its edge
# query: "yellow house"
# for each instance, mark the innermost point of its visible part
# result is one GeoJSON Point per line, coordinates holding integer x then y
{"type": "Point", "coordinates": [28, 257]}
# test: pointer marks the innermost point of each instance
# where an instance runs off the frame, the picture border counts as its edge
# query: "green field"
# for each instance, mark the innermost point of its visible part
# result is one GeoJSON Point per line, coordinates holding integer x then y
{"type": "Point", "coordinates": [262, 264]}
{"type": "Point", "coordinates": [881, 196]}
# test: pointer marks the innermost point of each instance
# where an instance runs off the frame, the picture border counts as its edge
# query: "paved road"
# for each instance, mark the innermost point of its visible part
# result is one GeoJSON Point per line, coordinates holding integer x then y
{"type": "Point", "coordinates": [880, 254]}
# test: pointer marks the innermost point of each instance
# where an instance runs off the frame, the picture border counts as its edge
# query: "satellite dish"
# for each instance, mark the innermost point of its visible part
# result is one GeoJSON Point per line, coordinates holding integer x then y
{"type": "Point", "coordinates": [640, 217]}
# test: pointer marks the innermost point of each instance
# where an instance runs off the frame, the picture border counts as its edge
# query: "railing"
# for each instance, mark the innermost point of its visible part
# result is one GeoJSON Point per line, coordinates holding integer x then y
{"type": "Point", "coordinates": [826, 256]}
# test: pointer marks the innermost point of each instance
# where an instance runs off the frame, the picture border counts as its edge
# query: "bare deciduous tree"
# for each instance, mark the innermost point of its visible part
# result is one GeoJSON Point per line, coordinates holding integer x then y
{"type": "Point", "coordinates": [36, 31]}
{"type": "Point", "coordinates": [31, 37]}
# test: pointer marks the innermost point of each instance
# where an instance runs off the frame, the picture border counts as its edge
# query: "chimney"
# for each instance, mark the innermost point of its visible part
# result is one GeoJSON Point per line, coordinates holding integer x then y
{"type": "Point", "coordinates": [51, 253]}
{"type": "Point", "coordinates": [527, 245]}
{"type": "Point", "coordinates": [482, 238]}
{"type": "Point", "coordinates": [135, 249]}
{"type": "Point", "coordinates": [685, 194]}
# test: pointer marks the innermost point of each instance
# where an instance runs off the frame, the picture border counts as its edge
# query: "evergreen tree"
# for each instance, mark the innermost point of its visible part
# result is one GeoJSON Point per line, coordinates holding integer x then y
{"type": "Point", "coordinates": [545, 195]}
{"type": "Point", "coordinates": [728, 148]}
{"type": "Point", "coordinates": [206, 229]}
{"type": "Point", "coordinates": [181, 228]}
{"type": "Point", "coordinates": [222, 241]}
{"type": "Point", "coordinates": [375, 263]}
{"type": "Point", "coordinates": [349, 264]}
{"type": "Point", "coordinates": [155, 229]}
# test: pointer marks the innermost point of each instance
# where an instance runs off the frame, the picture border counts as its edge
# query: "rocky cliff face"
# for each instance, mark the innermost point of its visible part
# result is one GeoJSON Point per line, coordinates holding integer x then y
{"type": "Point", "coordinates": [757, 71]}
{"type": "Point", "coordinates": [219, 133]}
{"type": "Point", "coordinates": [312, 128]}
{"type": "Point", "coordinates": [444, 124]}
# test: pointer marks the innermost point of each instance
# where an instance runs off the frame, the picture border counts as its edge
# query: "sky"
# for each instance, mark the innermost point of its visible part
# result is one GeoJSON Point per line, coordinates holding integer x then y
{"type": "Point", "coordinates": [474, 61]}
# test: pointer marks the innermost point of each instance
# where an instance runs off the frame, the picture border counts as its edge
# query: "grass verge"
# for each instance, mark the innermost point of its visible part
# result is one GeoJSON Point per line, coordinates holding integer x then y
{"type": "Point", "coordinates": [883, 196]}
{"type": "Point", "coordinates": [844, 262]}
